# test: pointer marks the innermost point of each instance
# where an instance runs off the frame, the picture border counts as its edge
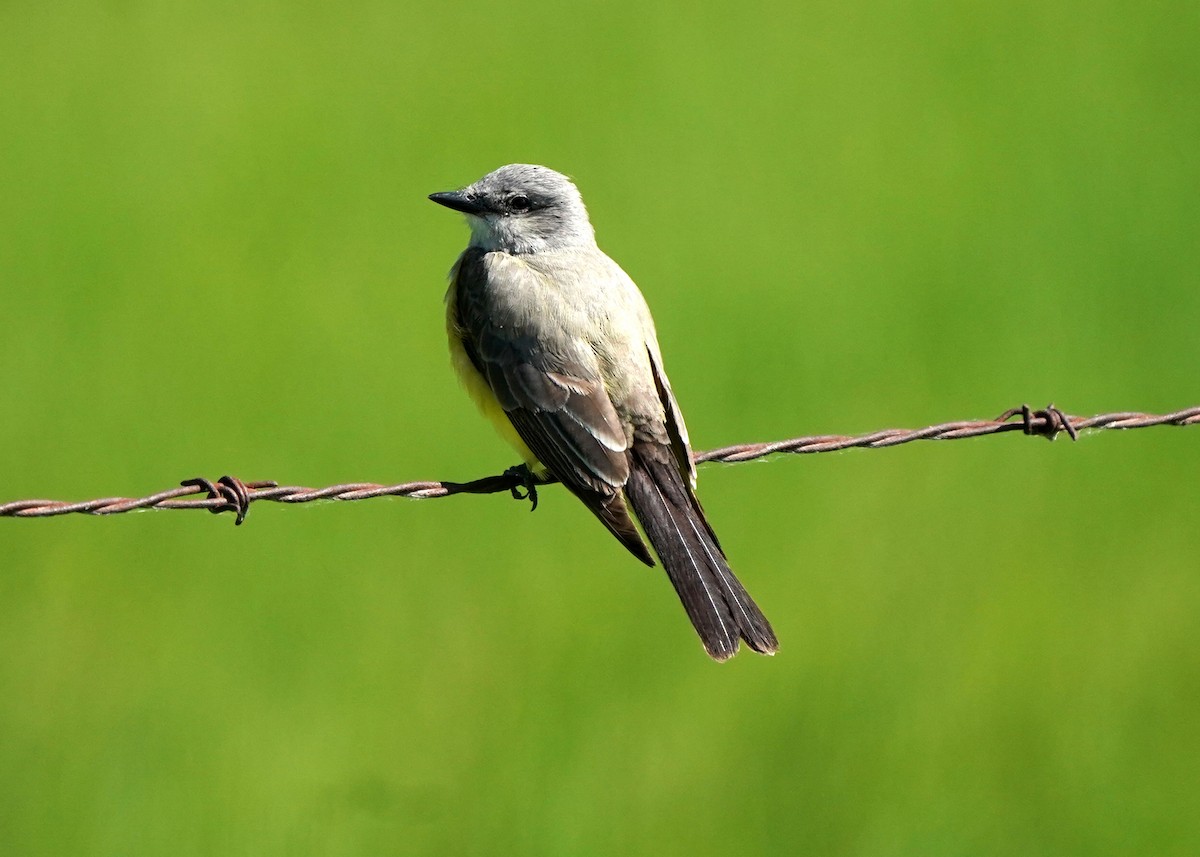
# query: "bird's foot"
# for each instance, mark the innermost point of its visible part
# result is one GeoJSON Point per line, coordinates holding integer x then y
{"type": "Point", "coordinates": [523, 478]}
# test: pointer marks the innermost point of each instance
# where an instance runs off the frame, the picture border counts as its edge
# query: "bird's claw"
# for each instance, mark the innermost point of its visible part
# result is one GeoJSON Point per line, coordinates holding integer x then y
{"type": "Point", "coordinates": [523, 478]}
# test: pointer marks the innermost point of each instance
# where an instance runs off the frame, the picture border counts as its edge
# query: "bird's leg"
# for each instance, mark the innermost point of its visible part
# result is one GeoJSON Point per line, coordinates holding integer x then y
{"type": "Point", "coordinates": [523, 478]}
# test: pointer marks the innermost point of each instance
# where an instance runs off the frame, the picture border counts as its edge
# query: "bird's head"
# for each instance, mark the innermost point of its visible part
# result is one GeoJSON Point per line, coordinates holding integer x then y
{"type": "Point", "coordinates": [522, 208]}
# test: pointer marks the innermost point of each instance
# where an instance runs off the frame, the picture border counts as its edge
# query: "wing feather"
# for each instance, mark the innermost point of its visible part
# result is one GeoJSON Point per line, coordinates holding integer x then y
{"type": "Point", "coordinates": [676, 430]}
{"type": "Point", "coordinates": [549, 384]}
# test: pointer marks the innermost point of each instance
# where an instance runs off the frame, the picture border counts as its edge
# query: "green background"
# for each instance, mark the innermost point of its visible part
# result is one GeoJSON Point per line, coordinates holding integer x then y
{"type": "Point", "coordinates": [216, 256]}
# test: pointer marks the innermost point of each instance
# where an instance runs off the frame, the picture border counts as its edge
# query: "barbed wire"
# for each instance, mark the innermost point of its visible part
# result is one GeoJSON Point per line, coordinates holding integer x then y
{"type": "Point", "coordinates": [230, 494]}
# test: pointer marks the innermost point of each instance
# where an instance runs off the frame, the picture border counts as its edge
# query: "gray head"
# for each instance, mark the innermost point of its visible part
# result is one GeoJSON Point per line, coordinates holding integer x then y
{"type": "Point", "coordinates": [522, 208]}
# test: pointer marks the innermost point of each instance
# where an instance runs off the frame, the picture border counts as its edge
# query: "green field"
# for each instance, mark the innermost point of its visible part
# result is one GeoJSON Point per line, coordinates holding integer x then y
{"type": "Point", "coordinates": [216, 256]}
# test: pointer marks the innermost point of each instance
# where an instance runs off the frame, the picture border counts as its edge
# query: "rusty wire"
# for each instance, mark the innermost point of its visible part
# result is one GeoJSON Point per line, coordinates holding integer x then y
{"type": "Point", "coordinates": [233, 495]}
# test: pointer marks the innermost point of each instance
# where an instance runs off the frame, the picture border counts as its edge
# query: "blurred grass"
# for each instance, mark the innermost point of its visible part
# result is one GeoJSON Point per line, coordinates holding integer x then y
{"type": "Point", "coordinates": [216, 256]}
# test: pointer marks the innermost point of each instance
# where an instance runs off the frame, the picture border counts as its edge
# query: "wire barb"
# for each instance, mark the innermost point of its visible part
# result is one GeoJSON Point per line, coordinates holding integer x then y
{"type": "Point", "coordinates": [229, 494]}
{"type": "Point", "coordinates": [1047, 422]}
{"type": "Point", "coordinates": [233, 494]}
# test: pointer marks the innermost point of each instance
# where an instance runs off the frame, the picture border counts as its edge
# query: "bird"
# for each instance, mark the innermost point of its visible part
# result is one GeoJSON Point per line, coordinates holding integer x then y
{"type": "Point", "coordinates": [556, 345]}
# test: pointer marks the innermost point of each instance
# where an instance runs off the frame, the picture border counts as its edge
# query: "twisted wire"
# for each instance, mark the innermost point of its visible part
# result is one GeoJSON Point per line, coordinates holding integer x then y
{"type": "Point", "coordinates": [231, 494]}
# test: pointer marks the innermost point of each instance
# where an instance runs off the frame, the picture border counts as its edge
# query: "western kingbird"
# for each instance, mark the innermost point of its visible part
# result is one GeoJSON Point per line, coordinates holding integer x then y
{"type": "Point", "coordinates": [556, 345]}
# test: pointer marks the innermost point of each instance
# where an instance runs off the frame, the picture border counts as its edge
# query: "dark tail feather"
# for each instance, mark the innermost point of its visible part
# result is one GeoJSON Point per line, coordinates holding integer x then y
{"type": "Point", "coordinates": [720, 608]}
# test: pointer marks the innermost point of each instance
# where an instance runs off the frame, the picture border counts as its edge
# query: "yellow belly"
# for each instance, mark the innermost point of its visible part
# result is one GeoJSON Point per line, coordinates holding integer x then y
{"type": "Point", "coordinates": [480, 392]}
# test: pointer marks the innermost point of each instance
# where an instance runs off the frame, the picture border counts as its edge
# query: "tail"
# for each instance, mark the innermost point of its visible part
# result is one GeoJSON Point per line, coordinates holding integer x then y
{"type": "Point", "coordinates": [721, 610]}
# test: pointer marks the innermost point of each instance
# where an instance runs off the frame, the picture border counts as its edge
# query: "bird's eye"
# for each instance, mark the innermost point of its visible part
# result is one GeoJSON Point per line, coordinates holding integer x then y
{"type": "Point", "coordinates": [519, 203]}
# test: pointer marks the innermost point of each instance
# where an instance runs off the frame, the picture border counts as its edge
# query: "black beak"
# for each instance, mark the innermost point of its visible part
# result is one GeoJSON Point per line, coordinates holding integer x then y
{"type": "Point", "coordinates": [459, 201]}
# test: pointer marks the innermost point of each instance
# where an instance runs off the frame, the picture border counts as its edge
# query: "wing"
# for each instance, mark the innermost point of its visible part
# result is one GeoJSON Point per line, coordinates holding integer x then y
{"type": "Point", "coordinates": [676, 430]}
{"type": "Point", "coordinates": [549, 384]}
{"type": "Point", "coordinates": [678, 439]}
